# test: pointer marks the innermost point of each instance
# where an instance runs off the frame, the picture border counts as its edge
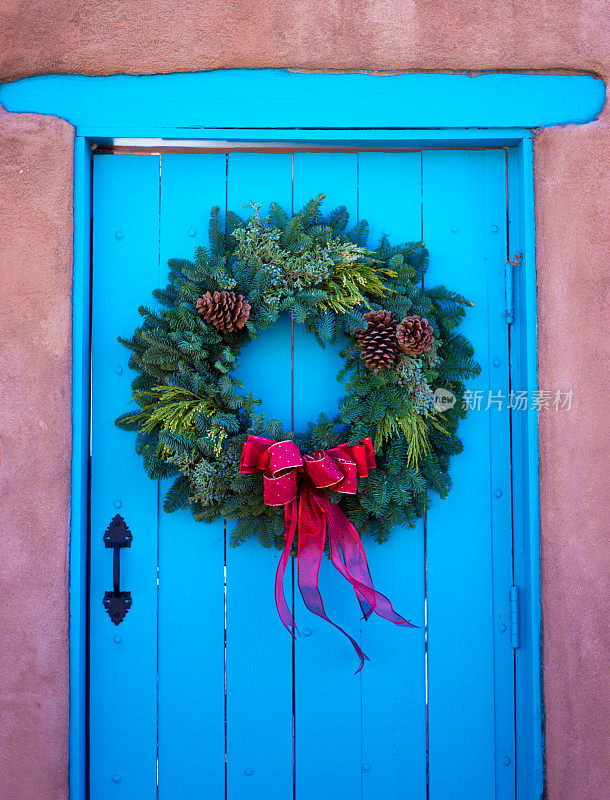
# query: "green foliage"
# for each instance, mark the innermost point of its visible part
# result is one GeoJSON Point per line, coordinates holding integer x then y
{"type": "Point", "coordinates": [170, 408]}
{"type": "Point", "coordinates": [352, 280]}
{"type": "Point", "coordinates": [192, 414]}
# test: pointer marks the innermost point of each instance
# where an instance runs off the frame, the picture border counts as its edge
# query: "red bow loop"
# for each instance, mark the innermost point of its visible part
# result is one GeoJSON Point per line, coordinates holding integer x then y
{"type": "Point", "coordinates": [322, 470]}
{"type": "Point", "coordinates": [283, 456]}
{"type": "Point", "coordinates": [254, 457]}
{"type": "Point", "coordinates": [278, 462]}
{"type": "Point", "coordinates": [362, 454]}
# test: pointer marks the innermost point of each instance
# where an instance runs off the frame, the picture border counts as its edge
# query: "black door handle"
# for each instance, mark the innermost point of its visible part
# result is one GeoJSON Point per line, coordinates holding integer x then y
{"type": "Point", "coordinates": [116, 602]}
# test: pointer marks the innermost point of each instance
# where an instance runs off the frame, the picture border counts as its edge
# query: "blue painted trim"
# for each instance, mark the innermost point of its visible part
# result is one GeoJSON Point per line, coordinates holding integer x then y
{"type": "Point", "coordinates": [337, 137]}
{"type": "Point", "coordinates": [526, 524]}
{"type": "Point", "coordinates": [161, 106]}
{"type": "Point", "coordinates": [532, 484]}
{"type": "Point", "coordinates": [78, 564]}
{"type": "Point", "coordinates": [528, 662]}
{"type": "Point", "coordinates": [270, 98]}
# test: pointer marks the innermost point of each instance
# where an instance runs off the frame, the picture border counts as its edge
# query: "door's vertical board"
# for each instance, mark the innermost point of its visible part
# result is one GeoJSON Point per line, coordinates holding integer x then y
{"type": "Point", "coordinates": [259, 649]}
{"type": "Point", "coordinates": [495, 242]}
{"type": "Point", "coordinates": [526, 537]}
{"type": "Point", "coordinates": [328, 694]}
{"type": "Point", "coordinates": [191, 554]}
{"type": "Point", "coordinates": [463, 198]}
{"type": "Point", "coordinates": [123, 726]}
{"type": "Point", "coordinates": [394, 690]}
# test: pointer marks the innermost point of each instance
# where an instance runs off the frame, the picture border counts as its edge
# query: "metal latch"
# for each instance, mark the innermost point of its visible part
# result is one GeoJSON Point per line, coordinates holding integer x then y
{"type": "Point", "coordinates": [509, 311]}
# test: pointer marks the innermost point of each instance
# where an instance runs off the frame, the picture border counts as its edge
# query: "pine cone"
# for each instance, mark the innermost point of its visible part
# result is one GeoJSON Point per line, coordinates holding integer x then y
{"type": "Point", "coordinates": [414, 335]}
{"type": "Point", "coordinates": [378, 345]}
{"type": "Point", "coordinates": [226, 311]}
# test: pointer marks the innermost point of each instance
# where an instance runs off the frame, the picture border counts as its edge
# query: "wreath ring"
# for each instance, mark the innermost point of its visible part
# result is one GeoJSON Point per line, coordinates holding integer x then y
{"type": "Point", "coordinates": [197, 423]}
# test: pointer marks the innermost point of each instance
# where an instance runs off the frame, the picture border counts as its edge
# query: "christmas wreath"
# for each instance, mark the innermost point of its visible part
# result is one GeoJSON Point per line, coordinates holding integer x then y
{"type": "Point", "coordinates": [389, 442]}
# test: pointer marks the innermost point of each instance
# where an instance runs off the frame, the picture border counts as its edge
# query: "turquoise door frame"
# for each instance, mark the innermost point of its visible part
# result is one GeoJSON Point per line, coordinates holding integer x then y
{"type": "Point", "coordinates": [345, 111]}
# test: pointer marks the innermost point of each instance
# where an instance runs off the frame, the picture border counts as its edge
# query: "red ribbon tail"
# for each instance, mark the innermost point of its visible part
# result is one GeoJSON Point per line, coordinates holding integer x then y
{"type": "Point", "coordinates": [290, 526]}
{"type": "Point", "coordinates": [337, 558]}
{"type": "Point", "coordinates": [312, 535]}
{"type": "Point", "coordinates": [354, 567]}
{"type": "Point", "coordinates": [344, 558]}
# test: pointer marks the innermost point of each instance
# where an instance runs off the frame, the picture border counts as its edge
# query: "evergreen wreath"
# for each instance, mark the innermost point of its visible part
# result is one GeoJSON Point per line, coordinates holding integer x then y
{"type": "Point", "coordinates": [194, 414]}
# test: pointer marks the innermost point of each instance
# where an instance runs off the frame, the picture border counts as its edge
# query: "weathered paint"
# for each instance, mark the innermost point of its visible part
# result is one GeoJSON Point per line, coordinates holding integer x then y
{"type": "Point", "coordinates": [251, 99]}
{"type": "Point", "coordinates": [571, 196]}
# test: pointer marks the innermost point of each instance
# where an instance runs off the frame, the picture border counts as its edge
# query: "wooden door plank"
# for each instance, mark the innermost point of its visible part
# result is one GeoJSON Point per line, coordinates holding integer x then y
{"type": "Point", "coordinates": [123, 695]}
{"type": "Point", "coordinates": [468, 534]}
{"type": "Point", "coordinates": [394, 691]}
{"type": "Point", "coordinates": [495, 200]}
{"type": "Point", "coordinates": [259, 649]}
{"type": "Point", "coordinates": [191, 554]}
{"type": "Point", "coordinates": [328, 713]}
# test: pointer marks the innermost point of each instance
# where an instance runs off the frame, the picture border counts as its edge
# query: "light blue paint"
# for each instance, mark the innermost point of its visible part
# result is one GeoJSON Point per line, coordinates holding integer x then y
{"type": "Point", "coordinates": [259, 649]}
{"type": "Point", "coordinates": [528, 658]}
{"type": "Point", "coordinates": [277, 98]}
{"type": "Point", "coordinates": [393, 683]}
{"type": "Point", "coordinates": [328, 711]}
{"type": "Point", "coordinates": [191, 555]}
{"type": "Point", "coordinates": [514, 617]}
{"type": "Point", "coordinates": [469, 537]}
{"type": "Point", "coordinates": [123, 691]}
{"type": "Point", "coordinates": [96, 115]}
{"type": "Point", "coordinates": [80, 469]}
{"type": "Point", "coordinates": [379, 720]}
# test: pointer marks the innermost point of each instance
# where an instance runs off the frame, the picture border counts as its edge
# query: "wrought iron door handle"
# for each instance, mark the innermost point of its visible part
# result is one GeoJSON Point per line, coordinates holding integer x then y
{"type": "Point", "coordinates": [116, 602]}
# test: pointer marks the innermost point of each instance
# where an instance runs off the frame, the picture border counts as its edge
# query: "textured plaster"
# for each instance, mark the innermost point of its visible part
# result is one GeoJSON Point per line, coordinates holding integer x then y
{"type": "Point", "coordinates": [108, 36]}
{"type": "Point", "coordinates": [35, 279]}
{"type": "Point", "coordinates": [573, 250]}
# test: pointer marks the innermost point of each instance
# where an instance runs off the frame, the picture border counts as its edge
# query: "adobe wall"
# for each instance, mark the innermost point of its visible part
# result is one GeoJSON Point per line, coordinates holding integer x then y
{"type": "Point", "coordinates": [572, 198]}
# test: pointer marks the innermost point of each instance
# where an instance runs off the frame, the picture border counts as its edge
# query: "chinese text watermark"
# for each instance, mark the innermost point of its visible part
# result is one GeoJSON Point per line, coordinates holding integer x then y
{"type": "Point", "coordinates": [515, 400]}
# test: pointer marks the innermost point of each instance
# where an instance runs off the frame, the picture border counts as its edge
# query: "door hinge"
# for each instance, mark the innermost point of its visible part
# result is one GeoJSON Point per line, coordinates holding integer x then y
{"type": "Point", "coordinates": [509, 289]}
{"type": "Point", "coordinates": [514, 617]}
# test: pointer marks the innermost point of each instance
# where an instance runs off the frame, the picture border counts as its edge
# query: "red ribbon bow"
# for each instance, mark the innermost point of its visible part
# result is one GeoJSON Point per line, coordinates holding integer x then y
{"type": "Point", "coordinates": [288, 475]}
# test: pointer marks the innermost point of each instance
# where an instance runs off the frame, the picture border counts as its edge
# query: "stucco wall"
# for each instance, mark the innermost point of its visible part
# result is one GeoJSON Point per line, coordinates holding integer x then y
{"type": "Point", "coordinates": [572, 196]}
{"type": "Point", "coordinates": [35, 342]}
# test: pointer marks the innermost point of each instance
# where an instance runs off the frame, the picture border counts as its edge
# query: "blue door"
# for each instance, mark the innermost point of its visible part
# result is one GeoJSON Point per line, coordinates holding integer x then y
{"type": "Point", "coordinates": [200, 692]}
